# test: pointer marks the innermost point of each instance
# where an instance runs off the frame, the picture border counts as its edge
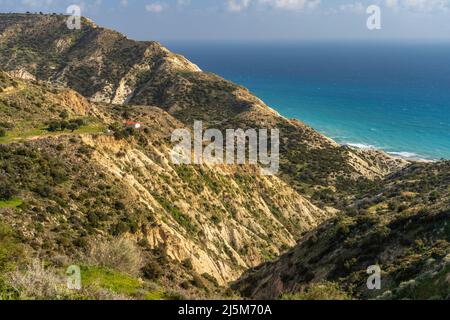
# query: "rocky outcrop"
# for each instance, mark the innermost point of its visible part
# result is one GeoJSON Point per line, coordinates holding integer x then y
{"type": "Point", "coordinates": [21, 74]}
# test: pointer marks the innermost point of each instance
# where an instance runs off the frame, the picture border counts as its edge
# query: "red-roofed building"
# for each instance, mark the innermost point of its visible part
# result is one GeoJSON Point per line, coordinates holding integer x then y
{"type": "Point", "coordinates": [133, 125]}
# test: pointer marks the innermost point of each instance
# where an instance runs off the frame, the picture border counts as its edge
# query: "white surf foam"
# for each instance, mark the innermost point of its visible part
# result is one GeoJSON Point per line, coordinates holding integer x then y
{"type": "Point", "coordinates": [361, 146]}
{"type": "Point", "coordinates": [410, 156]}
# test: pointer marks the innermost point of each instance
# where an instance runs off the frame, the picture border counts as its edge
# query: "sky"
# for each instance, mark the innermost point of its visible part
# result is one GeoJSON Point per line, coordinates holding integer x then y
{"type": "Point", "coordinates": [257, 20]}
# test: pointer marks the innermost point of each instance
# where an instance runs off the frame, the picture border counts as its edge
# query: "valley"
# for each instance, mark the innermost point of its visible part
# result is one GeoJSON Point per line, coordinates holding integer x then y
{"type": "Point", "coordinates": [78, 187]}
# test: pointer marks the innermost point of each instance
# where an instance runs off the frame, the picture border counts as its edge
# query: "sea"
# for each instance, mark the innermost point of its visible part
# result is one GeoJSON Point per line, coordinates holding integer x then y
{"type": "Point", "coordinates": [389, 96]}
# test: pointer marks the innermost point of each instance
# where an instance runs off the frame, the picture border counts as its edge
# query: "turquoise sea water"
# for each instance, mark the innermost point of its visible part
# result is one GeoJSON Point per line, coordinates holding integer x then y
{"type": "Point", "coordinates": [394, 97]}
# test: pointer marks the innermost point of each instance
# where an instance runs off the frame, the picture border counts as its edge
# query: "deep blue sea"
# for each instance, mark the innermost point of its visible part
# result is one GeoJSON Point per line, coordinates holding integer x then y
{"type": "Point", "coordinates": [394, 97]}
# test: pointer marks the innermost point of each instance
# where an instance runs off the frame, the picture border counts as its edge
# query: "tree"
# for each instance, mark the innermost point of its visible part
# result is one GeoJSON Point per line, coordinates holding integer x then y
{"type": "Point", "coordinates": [79, 122]}
{"type": "Point", "coordinates": [54, 126]}
{"type": "Point", "coordinates": [72, 126]}
{"type": "Point", "coordinates": [63, 125]}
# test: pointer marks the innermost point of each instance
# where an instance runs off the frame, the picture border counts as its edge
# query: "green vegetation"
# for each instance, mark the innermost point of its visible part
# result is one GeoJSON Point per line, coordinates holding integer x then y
{"type": "Point", "coordinates": [42, 280]}
{"type": "Point", "coordinates": [179, 217]}
{"type": "Point", "coordinates": [404, 229]}
{"type": "Point", "coordinates": [11, 251]}
{"type": "Point", "coordinates": [15, 202]}
{"type": "Point", "coordinates": [62, 125]}
{"type": "Point", "coordinates": [12, 254]}
{"type": "Point", "coordinates": [83, 197]}
{"type": "Point", "coordinates": [156, 295]}
{"type": "Point", "coordinates": [320, 291]}
{"type": "Point", "coordinates": [19, 135]}
{"type": "Point", "coordinates": [109, 279]}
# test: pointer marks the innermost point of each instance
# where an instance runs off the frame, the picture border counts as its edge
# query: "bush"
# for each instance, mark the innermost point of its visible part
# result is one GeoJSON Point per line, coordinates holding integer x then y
{"type": "Point", "coordinates": [120, 254]}
{"type": "Point", "coordinates": [7, 189]}
{"type": "Point", "coordinates": [320, 291]}
{"type": "Point", "coordinates": [38, 283]}
{"type": "Point", "coordinates": [54, 126]}
{"type": "Point", "coordinates": [119, 229]}
{"type": "Point", "coordinates": [11, 251]}
{"type": "Point", "coordinates": [152, 271]}
{"type": "Point", "coordinates": [62, 125]}
{"type": "Point", "coordinates": [2, 132]}
{"type": "Point", "coordinates": [188, 264]}
{"type": "Point", "coordinates": [197, 282]}
{"type": "Point", "coordinates": [85, 150]}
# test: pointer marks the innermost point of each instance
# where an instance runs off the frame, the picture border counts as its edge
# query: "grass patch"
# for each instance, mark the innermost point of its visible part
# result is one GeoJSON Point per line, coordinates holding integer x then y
{"type": "Point", "coordinates": [13, 203]}
{"type": "Point", "coordinates": [119, 283]}
{"type": "Point", "coordinates": [112, 280]}
{"type": "Point", "coordinates": [19, 135]}
{"type": "Point", "coordinates": [155, 295]}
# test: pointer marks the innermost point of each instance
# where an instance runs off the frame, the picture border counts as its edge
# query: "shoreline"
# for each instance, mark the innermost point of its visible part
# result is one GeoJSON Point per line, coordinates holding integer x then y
{"type": "Point", "coordinates": [408, 156]}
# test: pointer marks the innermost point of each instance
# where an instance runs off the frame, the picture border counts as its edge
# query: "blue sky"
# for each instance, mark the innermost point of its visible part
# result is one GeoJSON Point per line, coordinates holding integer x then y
{"type": "Point", "coordinates": [253, 20]}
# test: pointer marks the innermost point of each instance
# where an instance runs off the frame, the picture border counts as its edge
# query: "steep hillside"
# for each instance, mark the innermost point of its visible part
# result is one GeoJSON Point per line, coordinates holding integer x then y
{"type": "Point", "coordinates": [74, 181]}
{"type": "Point", "coordinates": [105, 66]}
{"type": "Point", "coordinates": [67, 188]}
{"type": "Point", "coordinates": [405, 229]}
{"type": "Point", "coordinates": [101, 64]}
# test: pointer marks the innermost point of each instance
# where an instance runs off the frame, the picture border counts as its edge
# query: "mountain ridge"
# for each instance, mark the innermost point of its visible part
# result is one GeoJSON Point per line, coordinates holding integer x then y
{"type": "Point", "coordinates": [204, 225]}
{"type": "Point", "coordinates": [174, 84]}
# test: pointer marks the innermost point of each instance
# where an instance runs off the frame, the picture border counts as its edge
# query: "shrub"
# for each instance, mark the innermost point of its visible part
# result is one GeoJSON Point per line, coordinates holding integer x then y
{"type": "Point", "coordinates": [188, 264]}
{"type": "Point", "coordinates": [119, 205]}
{"type": "Point", "coordinates": [44, 191]}
{"type": "Point", "coordinates": [7, 189]}
{"type": "Point", "coordinates": [175, 296]}
{"type": "Point", "coordinates": [2, 132]}
{"type": "Point", "coordinates": [211, 279]}
{"type": "Point", "coordinates": [119, 228]}
{"type": "Point", "coordinates": [86, 150]}
{"type": "Point", "coordinates": [152, 271]}
{"type": "Point", "coordinates": [197, 282]}
{"type": "Point", "coordinates": [38, 283]}
{"type": "Point", "coordinates": [185, 285]}
{"type": "Point", "coordinates": [58, 174]}
{"type": "Point", "coordinates": [11, 251]}
{"type": "Point", "coordinates": [54, 126]}
{"type": "Point", "coordinates": [63, 124]}
{"type": "Point", "coordinates": [93, 219]}
{"type": "Point", "coordinates": [120, 254]}
{"type": "Point", "coordinates": [320, 291]}
{"type": "Point", "coordinates": [64, 115]}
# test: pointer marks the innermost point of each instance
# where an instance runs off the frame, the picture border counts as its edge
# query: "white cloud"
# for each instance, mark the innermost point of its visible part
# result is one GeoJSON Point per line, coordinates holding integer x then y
{"type": "Point", "coordinates": [291, 4]}
{"type": "Point", "coordinates": [419, 5]}
{"type": "Point", "coordinates": [238, 5]}
{"type": "Point", "coordinates": [356, 7]}
{"type": "Point", "coordinates": [155, 7]}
